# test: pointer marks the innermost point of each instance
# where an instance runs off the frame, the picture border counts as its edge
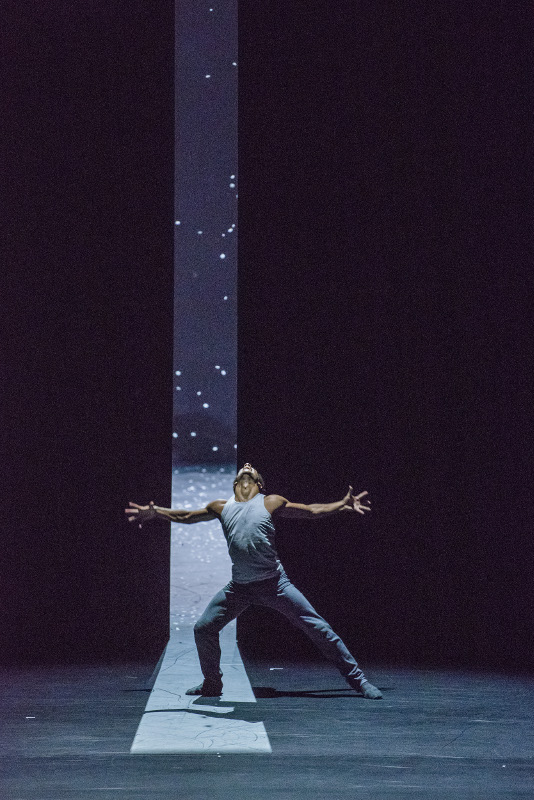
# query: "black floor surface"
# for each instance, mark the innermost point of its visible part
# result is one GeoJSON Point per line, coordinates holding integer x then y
{"type": "Point", "coordinates": [66, 734]}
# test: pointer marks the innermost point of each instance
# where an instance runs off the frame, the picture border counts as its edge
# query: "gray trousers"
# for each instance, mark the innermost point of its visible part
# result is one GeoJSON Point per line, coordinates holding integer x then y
{"type": "Point", "coordinates": [280, 594]}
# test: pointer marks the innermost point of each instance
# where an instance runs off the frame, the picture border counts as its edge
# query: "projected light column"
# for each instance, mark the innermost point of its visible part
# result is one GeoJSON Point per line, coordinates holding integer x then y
{"type": "Point", "coordinates": [204, 426]}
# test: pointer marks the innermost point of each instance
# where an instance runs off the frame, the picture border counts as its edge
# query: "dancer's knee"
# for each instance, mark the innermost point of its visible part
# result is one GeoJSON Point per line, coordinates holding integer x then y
{"type": "Point", "coordinates": [202, 625]}
{"type": "Point", "coordinates": [206, 625]}
{"type": "Point", "coordinates": [321, 628]}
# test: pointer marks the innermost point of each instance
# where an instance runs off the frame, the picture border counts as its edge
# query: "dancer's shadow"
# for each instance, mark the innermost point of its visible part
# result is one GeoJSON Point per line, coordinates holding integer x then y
{"type": "Point", "coordinates": [267, 692]}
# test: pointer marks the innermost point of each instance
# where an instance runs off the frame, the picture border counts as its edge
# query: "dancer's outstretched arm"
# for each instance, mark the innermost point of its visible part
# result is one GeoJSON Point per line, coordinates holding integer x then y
{"type": "Point", "coordinates": [276, 504]}
{"type": "Point", "coordinates": [142, 514]}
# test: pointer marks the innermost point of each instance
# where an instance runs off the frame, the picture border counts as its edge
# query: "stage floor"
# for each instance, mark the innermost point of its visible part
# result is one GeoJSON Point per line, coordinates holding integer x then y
{"type": "Point", "coordinates": [67, 732]}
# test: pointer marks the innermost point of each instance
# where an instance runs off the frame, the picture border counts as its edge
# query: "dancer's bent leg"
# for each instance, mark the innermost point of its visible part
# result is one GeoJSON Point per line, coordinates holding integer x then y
{"type": "Point", "coordinates": [222, 609]}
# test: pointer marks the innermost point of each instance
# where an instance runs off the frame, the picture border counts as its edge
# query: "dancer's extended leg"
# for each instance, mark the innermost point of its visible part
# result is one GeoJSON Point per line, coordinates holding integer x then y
{"type": "Point", "coordinates": [284, 597]}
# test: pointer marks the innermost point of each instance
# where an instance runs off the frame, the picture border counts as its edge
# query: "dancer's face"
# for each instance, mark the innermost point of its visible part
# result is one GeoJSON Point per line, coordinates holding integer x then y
{"type": "Point", "coordinates": [248, 469]}
{"type": "Point", "coordinates": [246, 484]}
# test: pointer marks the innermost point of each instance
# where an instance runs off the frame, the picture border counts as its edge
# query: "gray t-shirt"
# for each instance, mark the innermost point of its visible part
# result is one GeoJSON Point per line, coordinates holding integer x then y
{"type": "Point", "coordinates": [249, 531]}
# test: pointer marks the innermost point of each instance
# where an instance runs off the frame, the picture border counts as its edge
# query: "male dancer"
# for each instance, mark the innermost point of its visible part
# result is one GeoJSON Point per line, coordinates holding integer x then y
{"type": "Point", "coordinates": [257, 575]}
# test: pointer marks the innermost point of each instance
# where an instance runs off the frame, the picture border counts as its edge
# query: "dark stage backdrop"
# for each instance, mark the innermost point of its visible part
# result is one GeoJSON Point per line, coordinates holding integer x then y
{"type": "Point", "coordinates": [384, 320]}
{"type": "Point", "coordinates": [384, 282]}
{"type": "Point", "coordinates": [87, 281]}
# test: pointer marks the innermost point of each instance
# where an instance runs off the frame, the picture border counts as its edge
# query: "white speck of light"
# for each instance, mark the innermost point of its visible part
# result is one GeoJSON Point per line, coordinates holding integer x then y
{"type": "Point", "coordinates": [232, 186]}
{"type": "Point", "coordinates": [223, 234]}
{"type": "Point", "coordinates": [178, 372]}
{"type": "Point", "coordinates": [208, 76]}
{"type": "Point", "coordinates": [177, 222]}
{"type": "Point", "coordinates": [175, 435]}
{"type": "Point", "coordinates": [214, 448]}
{"type": "Point", "coordinates": [235, 447]}
{"type": "Point", "coordinates": [222, 255]}
{"type": "Point", "coordinates": [225, 297]}
{"type": "Point", "coordinates": [230, 230]}
{"type": "Point", "coordinates": [193, 433]}
{"type": "Point", "coordinates": [178, 388]}
{"type": "Point", "coordinates": [232, 177]}
{"type": "Point", "coordinates": [233, 225]}
{"type": "Point", "coordinates": [200, 233]}
{"type": "Point", "coordinates": [204, 470]}
{"type": "Point", "coordinates": [217, 366]}
{"type": "Point", "coordinates": [198, 394]}
{"type": "Point", "coordinates": [234, 63]}
{"type": "Point", "coordinates": [223, 372]}
{"type": "Point", "coordinates": [205, 405]}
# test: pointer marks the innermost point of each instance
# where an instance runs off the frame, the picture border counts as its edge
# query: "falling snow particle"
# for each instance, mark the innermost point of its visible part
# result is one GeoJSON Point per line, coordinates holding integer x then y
{"type": "Point", "coordinates": [222, 255]}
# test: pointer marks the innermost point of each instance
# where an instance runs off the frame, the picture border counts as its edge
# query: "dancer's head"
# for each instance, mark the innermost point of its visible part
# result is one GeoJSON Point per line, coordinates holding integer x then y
{"type": "Point", "coordinates": [248, 482]}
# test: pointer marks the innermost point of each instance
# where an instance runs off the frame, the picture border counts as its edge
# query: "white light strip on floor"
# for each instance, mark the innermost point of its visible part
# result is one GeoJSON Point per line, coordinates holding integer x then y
{"type": "Point", "coordinates": [174, 722]}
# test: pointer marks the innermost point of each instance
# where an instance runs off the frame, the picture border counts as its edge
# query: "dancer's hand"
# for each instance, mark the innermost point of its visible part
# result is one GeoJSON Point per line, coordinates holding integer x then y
{"type": "Point", "coordinates": [352, 502]}
{"type": "Point", "coordinates": [140, 514]}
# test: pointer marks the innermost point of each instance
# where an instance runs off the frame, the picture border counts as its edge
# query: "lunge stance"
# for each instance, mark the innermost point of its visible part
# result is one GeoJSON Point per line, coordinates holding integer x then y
{"type": "Point", "coordinates": [257, 575]}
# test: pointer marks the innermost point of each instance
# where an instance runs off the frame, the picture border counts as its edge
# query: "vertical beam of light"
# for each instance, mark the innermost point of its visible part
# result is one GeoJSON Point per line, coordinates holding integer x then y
{"type": "Point", "coordinates": [205, 321]}
{"type": "Point", "coordinates": [204, 380]}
